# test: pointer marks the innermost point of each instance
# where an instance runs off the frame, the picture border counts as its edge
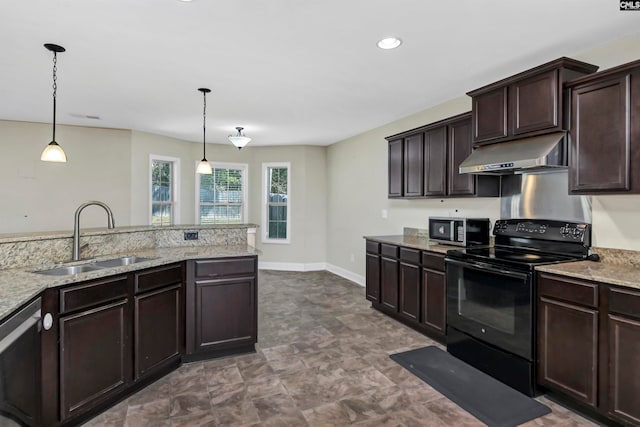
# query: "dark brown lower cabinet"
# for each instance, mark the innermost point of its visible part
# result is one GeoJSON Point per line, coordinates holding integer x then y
{"type": "Point", "coordinates": [412, 286]}
{"type": "Point", "coordinates": [158, 329]}
{"type": "Point", "coordinates": [221, 306]}
{"type": "Point", "coordinates": [589, 345]}
{"type": "Point", "coordinates": [409, 305]}
{"type": "Point", "coordinates": [569, 349]}
{"type": "Point", "coordinates": [434, 294]}
{"type": "Point", "coordinates": [389, 283]}
{"type": "Point", "coordinates": [94, 356]}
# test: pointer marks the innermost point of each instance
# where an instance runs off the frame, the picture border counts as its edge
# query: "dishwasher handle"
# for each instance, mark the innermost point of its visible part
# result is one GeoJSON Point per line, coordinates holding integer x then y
{"type": "Point", "coordinates": [18, 324]}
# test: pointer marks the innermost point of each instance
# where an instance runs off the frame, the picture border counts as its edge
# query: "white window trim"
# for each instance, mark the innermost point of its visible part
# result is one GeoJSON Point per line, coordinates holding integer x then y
{"type": "Point", "coordinates": [265, 200]}
{"type": "Point", "coordinates": [175, 184]}
{"type": "Point", "coordinates": [245, 187]}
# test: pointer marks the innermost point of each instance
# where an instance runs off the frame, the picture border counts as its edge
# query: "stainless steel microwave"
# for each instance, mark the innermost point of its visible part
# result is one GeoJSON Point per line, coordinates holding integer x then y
{"type": "Point", "coordinates": [459, 231]}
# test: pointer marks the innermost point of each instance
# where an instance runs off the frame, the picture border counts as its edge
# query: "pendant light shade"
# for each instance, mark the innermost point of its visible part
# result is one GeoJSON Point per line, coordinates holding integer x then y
{"type": "Point", "coordinates": [204, 167]}
{"type": "Point", "coordinates": [239, 140]}
{"type": "Point", "coordinates": [53, 152]}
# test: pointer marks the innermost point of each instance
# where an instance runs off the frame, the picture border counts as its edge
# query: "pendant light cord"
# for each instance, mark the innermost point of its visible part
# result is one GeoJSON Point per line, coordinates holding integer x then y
{"type": "Point", "coordinates": [55, 89]}
{"type": "Point", "coordinates": [204, 125]}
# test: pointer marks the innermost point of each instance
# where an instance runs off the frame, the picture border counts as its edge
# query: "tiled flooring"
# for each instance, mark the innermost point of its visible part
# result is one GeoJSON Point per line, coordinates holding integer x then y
{"type": "Point", "coordinates": [322, 360]}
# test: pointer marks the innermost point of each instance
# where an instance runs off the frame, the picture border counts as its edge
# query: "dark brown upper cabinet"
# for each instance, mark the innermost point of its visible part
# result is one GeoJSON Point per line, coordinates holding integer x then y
{"type": "Point", "coordinates": [604, 144]}
{"type": "Point", "coordinates": [396, 160]}
{"type": "Point", "coordinates": [526, 104]}
{"type": "Point", "coordinates": [424, 162]}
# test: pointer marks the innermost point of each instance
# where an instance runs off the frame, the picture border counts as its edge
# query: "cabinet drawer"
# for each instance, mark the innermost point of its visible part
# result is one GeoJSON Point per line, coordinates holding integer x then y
{"type": "Point", "coordinates": [157, 277]}
{"type": "Point", "coordinates": [624, 301]}
{"type": "Point", "coordinates": [433, 261]}
{"type": "Point", "coordinates": [410, 255]}
{"type": "Point", "coordinates": [373, 247]}
{"type": "Point", "coordinates": [389, 250]}
{"type": "Point", "coordinates": [578, 292]}
{"type": "Point", "coordinates": [93, 293]}
{"type": "Point", "coordinates": [224, 267]}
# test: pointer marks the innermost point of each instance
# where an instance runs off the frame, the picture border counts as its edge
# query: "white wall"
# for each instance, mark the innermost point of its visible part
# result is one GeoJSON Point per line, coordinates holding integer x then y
{"type": "Point", "coordinates": [43, 196]}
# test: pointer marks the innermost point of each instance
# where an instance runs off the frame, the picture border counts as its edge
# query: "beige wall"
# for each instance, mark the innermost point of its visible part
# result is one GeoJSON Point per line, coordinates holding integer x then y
{"type": "Point", "coordinates": [41, 196]}
{"type": "Point", "coordinates": [357, 184]}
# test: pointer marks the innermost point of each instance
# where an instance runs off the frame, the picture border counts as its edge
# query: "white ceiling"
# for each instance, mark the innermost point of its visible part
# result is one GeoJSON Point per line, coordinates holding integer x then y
{"type": "Point", "coordinates": [289, 71]}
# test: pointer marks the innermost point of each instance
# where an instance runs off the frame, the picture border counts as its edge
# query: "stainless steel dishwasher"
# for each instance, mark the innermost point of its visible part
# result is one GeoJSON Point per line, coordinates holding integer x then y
{"type": "Point", "coordinates": [20, 362]}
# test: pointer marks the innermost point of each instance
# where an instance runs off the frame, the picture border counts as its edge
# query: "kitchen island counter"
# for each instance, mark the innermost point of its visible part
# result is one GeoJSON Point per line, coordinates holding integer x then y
{"type": "Point", "coordinates": [20, 285]}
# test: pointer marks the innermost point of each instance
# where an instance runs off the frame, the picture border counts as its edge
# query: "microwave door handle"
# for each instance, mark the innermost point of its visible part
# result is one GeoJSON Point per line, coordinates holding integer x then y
{"type": "Point", "coordinates": [487, 267]}
{"type": "Point", "coordinates": [452, 225]}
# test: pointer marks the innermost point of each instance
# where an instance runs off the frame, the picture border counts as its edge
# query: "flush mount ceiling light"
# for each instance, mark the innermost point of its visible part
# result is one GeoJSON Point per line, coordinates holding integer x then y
{"type": "Point", "coordinates": [53, 152]}
{"type": "Point", "coordinates": [239, 140]}
{"type": "Point", "coordinates": [204, 167]}
{"type": "Point", "coordinates": [389, 43]}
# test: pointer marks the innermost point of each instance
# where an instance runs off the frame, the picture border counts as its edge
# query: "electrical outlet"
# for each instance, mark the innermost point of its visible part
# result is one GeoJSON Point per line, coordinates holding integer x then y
{"type": "Point", "coordinates": [190, 235]}
{"type": "Point", "coordinates": [352, 258]}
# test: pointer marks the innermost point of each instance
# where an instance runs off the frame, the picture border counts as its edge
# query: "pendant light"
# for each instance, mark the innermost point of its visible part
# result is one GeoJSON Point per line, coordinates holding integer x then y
{"type": "Point", "coordinates": [53, 152]}
{"type": "Point", "coordinates": [239, 140]}
{"type": "Point", "coordinates": [204, 167]}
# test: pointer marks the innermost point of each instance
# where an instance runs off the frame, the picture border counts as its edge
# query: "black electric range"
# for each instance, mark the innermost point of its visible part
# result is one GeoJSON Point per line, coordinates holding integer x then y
{"type": "Point", "coordinates": [491, 294]}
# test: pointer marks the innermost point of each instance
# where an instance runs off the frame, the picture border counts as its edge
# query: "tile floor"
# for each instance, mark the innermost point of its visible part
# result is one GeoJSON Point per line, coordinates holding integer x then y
{"type": "Point", "coordinates": [322, 360]}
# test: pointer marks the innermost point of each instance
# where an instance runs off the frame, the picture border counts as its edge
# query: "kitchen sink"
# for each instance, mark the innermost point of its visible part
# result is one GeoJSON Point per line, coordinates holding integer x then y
{"type": "Point", "coordinates": [117, 262]}
{"type": "Point", "coordinates": [69, 270]}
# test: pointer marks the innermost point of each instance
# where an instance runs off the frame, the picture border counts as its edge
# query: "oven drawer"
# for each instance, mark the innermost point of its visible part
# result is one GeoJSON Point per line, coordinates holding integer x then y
{"type": "Point", "coordinates": [565, 289]}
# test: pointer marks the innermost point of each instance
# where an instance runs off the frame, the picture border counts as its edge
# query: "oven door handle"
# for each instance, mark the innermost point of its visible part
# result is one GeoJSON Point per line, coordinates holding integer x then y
{"type": "Point", "coordinates": [488, 267]}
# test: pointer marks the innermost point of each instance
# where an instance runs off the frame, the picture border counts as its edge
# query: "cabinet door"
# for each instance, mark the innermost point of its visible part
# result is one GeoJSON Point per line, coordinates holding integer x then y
{"type": "Point", "coordinates": [489, 111]}
{"type": "Point", "coordinates": [94, 357]}
{"type": "Point", "coordinates": [158, 329]}
{"type": "Point", "coordinates": [600, 145]}
{"type": "Point", "coordinates": [373, 278]}
{"type": "Point", "coordinates": [413, 168]}
{"type": "Point", "coordinates": [460, 147]}
{"type": "Point", "coordinates": [409, 304]}
{"type": "Point", "coordinates": [435, 162]}
{"type": "Point", "coordinates": [624, 368]}
{"type": "Point", "coordinates": [389, 283]}
{"type": "Point", "coordinates": [568, 349]}
{"type": "Point", "coordinates": [434, 295]}
{"type": "Point", "coordinates": [395, 168]}
{"type": "Point", "coordinates": [534, 103]}
{"type": "Point", "coordinates": [224, 313]}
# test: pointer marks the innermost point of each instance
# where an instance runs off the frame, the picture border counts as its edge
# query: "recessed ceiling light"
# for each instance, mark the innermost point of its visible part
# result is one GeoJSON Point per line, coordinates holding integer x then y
{"type": "Point", "coordinates": [389, 43]}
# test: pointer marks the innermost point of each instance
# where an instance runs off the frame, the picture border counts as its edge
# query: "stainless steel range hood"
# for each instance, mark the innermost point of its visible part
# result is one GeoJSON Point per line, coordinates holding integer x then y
{"type": "Point", "coordinates": [527, 154]}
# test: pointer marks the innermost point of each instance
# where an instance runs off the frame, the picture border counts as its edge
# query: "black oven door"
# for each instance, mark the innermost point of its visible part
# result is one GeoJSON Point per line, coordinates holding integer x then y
{"type": "Point", "coordinates": [491, 304]}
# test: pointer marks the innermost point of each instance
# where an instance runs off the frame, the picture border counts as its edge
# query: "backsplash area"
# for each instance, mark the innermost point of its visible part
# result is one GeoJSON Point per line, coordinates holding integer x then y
{"type": "Point", "coordinates": [18, 251]}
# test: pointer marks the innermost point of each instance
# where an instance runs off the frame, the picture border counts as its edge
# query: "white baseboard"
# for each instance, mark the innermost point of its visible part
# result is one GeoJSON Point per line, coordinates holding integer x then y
{"type": "Point", "coordinates": [314, 266]}
{"type": "Point", "coordinates": [349, 275]}
{"type": "Point", "coordinates": [291, 266]}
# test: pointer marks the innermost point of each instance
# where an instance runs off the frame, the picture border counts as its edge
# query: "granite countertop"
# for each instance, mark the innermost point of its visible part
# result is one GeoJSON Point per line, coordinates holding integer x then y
{"type": "Point", "coordinates": [613, 274]}
{"type": "Point", "coordinates": [41, 235]}
{"type": "Point", "coordinates": [18, 286]}
{"type": "Point", "coordinates": [415, 242]}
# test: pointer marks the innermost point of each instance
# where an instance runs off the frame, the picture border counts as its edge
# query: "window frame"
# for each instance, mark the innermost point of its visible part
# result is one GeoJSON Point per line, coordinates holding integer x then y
{"type": "Point", "coordinates": [245, 188]}
{"type": "Point", "coordinates": [175, 188]}
{"type": "Point", "coordinates": [265, 202]}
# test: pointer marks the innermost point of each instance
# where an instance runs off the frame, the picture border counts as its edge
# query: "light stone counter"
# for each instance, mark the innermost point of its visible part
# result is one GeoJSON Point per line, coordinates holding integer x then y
{"type": "Point", "coordinates": [616, 267]}
{"type": "Point", "coordinates": [20, 285]}
{"type": "Point", "coordinates": [412, 241]}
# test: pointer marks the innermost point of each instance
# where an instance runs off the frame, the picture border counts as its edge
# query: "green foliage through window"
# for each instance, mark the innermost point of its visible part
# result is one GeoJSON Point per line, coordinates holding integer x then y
{"type": "Point", "coordinates": [278, 202]}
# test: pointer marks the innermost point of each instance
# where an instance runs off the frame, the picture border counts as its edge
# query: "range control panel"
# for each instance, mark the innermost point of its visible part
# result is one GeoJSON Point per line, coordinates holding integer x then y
{"type": "Point", "coordinates": [543, 229]}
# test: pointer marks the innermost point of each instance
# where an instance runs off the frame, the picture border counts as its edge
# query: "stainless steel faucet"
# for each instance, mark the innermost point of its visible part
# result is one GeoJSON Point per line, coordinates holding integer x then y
{"type": "Point", "coordinates": [76, 225]}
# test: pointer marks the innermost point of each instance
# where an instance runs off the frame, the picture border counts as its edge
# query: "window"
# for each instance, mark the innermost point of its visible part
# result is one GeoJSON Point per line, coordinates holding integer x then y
{"type": "Point", "coordinates": [276, 200]}
{"type": "Point", "coordinates": [222, 196]}
{"type": "Point", "coordinates": [164, 173]}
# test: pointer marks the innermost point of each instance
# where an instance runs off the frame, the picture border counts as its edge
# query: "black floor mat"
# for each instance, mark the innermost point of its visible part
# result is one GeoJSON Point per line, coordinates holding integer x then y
{"type": "Point", "coordinates": [486, 398]}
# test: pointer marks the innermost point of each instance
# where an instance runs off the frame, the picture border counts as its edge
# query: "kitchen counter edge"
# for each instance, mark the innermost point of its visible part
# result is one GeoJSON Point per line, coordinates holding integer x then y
{"type": "Point", "coordinates": [414, 242]}
{"type": "Point", "coordinates": [612, 274]}
{"type": "Point", "coordinates": [21, 285]}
